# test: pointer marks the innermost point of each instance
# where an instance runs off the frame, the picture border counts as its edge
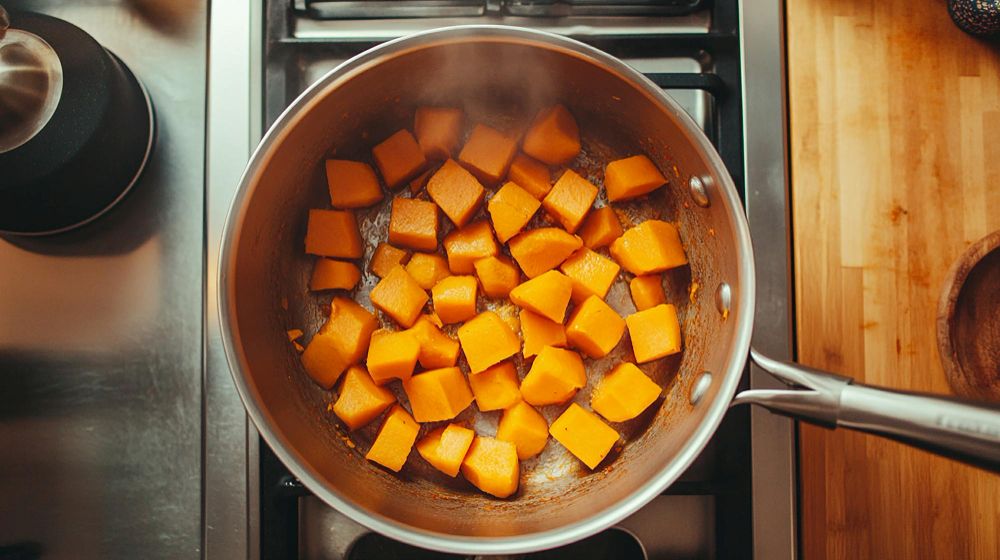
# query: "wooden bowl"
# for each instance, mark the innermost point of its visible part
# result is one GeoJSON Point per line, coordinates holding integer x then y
{"type": "Point", "coordinates": [968, 322]}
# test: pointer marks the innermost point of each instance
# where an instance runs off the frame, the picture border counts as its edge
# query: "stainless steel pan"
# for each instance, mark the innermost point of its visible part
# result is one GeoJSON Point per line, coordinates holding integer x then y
{"type": "Point", "coordinates": [502, 75]}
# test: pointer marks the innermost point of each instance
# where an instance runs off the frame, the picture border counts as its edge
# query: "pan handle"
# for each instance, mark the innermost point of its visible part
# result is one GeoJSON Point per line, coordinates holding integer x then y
{"type": "Point", "coordinates": [961, 430]}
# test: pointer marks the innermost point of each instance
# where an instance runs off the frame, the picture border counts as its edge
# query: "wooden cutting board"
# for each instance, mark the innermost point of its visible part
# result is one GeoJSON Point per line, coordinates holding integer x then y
{"type": "Point", "coordinates": [895, 165]}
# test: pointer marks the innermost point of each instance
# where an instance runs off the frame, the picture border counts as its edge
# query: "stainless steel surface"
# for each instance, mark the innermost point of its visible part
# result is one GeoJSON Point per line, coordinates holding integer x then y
{"type": "Point", "coordinates": [700, 387]}
{"type": "Point", "coordinates": [698, 192]}
{"type": "Point", "coordinates": [817, 399]}
{"type": "Point", "coordinates": [4, 22]}
{"type": "Point", "coordinates": [31, 82]}
{"type": "Point", "coordinates": [723, 298]}
{"type": "Point", "coordinates": [100, 330]}
{"type": "Point", "coordinates": [381, 9]}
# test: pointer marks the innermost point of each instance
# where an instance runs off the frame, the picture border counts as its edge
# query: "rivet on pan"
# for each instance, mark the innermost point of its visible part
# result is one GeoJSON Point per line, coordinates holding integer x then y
{"type": "Point", "coordinates": [701, 387]}
{"type": "Point", "coordinates": [723, 299]}
{"type": "Point", "coordinates": [698, 191]}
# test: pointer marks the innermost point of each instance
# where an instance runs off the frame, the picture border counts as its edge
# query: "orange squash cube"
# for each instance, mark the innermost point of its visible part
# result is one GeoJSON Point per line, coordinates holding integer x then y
{"type": "Point", "coordinates": [631, 177]}
{"type": "Point", "coordinates": [456, 191]}
{"type": "Point", "coordinates": [414, 224]}
{"type": "Point", "coordinates": [650, 247]}
{"type": "Point", "coordinates": [486, 340]}
{"type": "Point", "coordinates": [352, 184]}
{"type": "Point", "coordinates": [539, 332]}
{"type": "Point", "coordinates": [437, 350]}
{"type": "Point", "coordinates": [531, 175]}
{"type": "Point", "coordinates": [341, 341]}
{"type": "Point", "coordinates": [333, 233]}
{"type": "Point", "coordinates": [418, 184]}
{"type": "Point", "coordinates": [491, 465]}
{"type": "Point", "coordinates": [497, 275]}
{"type": "Point", "coordinates": [386, 258]}
{"type": "Point", "coordinates": [329, 274]}
{"type": "Point", "coordinates": [523, 426]}
{"type": "Point", "coordinates": [399, 296]}
{"type": "Point", "coordinates": [592, 274]}
{"type": "Point", "coordinates": [467, 245]}
{"type": "Point", "coordinates": [445, 448]}
{"type": "Point", "coordinates": [540, 250]}
{"type": "Point", "coordinates": [584, 434]}
{"type": "Point", "coordinates": [548, 295]}
{"type": "Point", "coordinates": [655, 333]}
{"type": "Point", "coordinates": [600, 228]}
{"type": "Point", "coordinates": [392, 355]}
{"type": "Point", "coordinates": [496, 388]}
{"type": "Point", "coordinates": [438, 394]}
{"type": "Point", "coordinates": [511, 208]}
{"type": "Point", "coordinates": [487, 153]}
{"type": "Point", "coordinates": [647, 291]}
{"type": "Point", "coordinates": [427, 269]}
{"type": "Point", "coordinates": [570, 199]}
{"type": "Point", "coordinates": [437, 130]}
{"type": "Point", "coordinates": [361, 400]}
{"type": "Point", "coordinates": [595, 328]}
{"type": "Point", "coordinates": [399, 158]}
{"type": "Point", "coordinates": [554, 377]}
{"type": "Point", "coordinates": [553, 137]}
{"type": "Point", "coordinates": [455, 298]}
{"type": "Point", "coordinates": [394, 440]}
{"type": "Point", "coordinates": [624, 393]}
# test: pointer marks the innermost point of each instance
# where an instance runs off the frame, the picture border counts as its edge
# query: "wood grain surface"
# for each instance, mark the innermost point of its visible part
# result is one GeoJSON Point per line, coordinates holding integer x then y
{"type": "Point", "coordinates": [895, 161]}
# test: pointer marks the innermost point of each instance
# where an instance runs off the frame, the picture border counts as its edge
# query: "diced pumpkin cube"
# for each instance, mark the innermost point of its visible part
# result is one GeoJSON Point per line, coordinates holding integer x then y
{"type": "Point", "coordinates": [495, 388]}
{"type": "Point", "coordinates": [329, 274]}
{"type": "Point", "coordinates": [624, 393]}
{"type": "Point", "coordinates": [386, 258]}
{"type": "Point", "coordinates": [294, 334]}
{"type": "Point", "coordinates": [595, 328]}
{"type": "Point", "coordinates": [584, 434]}
{"type": "Point", "coordinates": [417, 185]}
{"type": "Point", "coordinates": [486, 340]}
{"type": "Point", "coordinates": [570, 199]}
{"type": "Point", "coordinates": [341, 341]}
{"type": "Point", "coordinates": [323, 360]}
{"type": "Point", "coordinates": [455, 298]}
{"type": "Point", "coordinates": [394, 440]}
{"type": "Point", "coordinates": [491, 465]}
{"type": "Point", "coordinates": [600, 228]}
{"type": "Point", "coordinates": [467, 245]}
{"type": "Point", "coordinates": [497, 275]}
{"type": "Point", "coordinates": [647, 291]}
{"type": "Point", "coordinates": [399, 158]}
{"type": "Point", "coordinates": [487, 153]}
{"type": "Point", "coordinates": [650, 247]}
{"type": "Point", "coordinates": [631, 177]}
{"type": "Point", "coordinates": [553, 137]}
{"type": "Point", "coordinates": [333, 233]}
{"type": "Point", "coordinates": [427, 269]}
{"type": "Point", "coordinates": [437, 130]}
{"type": "Point", "coordinates": [438, 394]}
{"type": "Point", "coordinates": [511, 208]}
{"type": "Point", "coordinates": [539, 332]}
{"type": "Point", "coordinates": [592, 274]}
{"type": "Point", "coordinates": [533, 176]}
{"type": "Point", "coordinates": [655, 333]}
{"type": "Point", "coordinates": [414, 224]}
{"type": "Point", "coordinates": [352, 184]}
{"type": "Point", "coordinates": [399, 296]}
{"type": "Point", "coordinates": [548, 295]}
{"type": "Point", "coordinates": [392, 355]}
{"type": "Point", "coordinates": [554, 377]}
{"type": "Point", "coordinates": [523, 426]}
{"type": "Point", "coordinates": [437, 350]}
{"type": "Point", "coordinates": [445, 447]}
{"type": "Point", "coordinates": [540, 250]}
{"type": "Point", "coordinates": [361, 400]}
{"type": "Point", "coordinates": [456, 191]}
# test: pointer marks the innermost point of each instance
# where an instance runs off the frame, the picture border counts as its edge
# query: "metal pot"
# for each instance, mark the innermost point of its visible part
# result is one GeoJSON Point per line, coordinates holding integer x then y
{"type": "Point", "coordinates": [507, 71]}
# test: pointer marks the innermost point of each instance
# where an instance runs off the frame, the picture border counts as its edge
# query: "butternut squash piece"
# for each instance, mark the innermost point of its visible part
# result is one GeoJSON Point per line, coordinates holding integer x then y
{"type": "Point", "coordinates": [554, 377]}
{"type": "Point", "coordinates": [531, 175]}
{"type": "Point", "coordinates": [456, 191]}
{"type": "Point", "coordinates": [624, 393]}
{"type": "Point", "coordinates": [496, 388]}
{"type": "Point", "coordinates": [418, 184]}
{"type": "Point", "coordinates": [329, 274]}
{"type": "Point", "coordinates": [655, 333]}
{"type": "Point", "coordinates": [523, 426]}
{"type": "Point", "coordinates": [352, 184]}
{"type": "Point", "coordinates": [392, 355]}
{"type": "Point", "coordinates": [540, 250]}
{"type": "Point", "coordinates": [414, 224]}
{"type": "Point", "coordinates": [437, 350]}
{"type": "Point", "coordinates": [486, 340]}
{"type": "Point", "coordinates": [394, 440]}
{"type": "Point", "coordinates": [548, 295]}
{"type": "Point", "coordinates": [491, 465]}
{"type": "Point", "coordinates": [341, 341]}
{"type": "Point", "coordinates": [455, 298]}
{"type": "Point", "coordinates": [592, 274]}
{"type": "Point", "coordinates": [294, 334]}
{"type": "Point", "coordinates": [487, 153]}
{"type": "Point", "coordinates": [437, 130]}
{"type": "Point", "coordinates": [385, 258]}
{"type": "Point", "coordinates": [647, 291]}
{"type": "Point", "coordinates": [438, 394]}
{"type": "Point", "coordinates": [445, 448]}
{"type": "Point", "coordinates": [427, 269]}
{"type": "Point", "coordinates": [631, 177]}
{"type": "Point", "coordinates": [650, 247]}
{"type": "Point", "coordinates": [361, 400]}
{"type": "Point", "coordinates": [511, 208]}
{"type": "Point", "coordinates": [399, 158]}
{"type": "Point", "coordinates": [553, 137]}
{"type": "Point", "coordinates": [399, 296]}
{"type": "Point", "coordinates": [539, 332]}
{"type": "Point", "coordinates": [569, 200]}
{"type": "Point", "coordinates": [601, 228]}
{"type": "Point", "coordinates": [584, 434]}
{"type": "Point", "coordinates": [467, 245]}
{"type": "Point", "coordinates": [497, 275]}
{"type": "Point", "coordinates": [595, 328]}
{"type": "Point", "coordinates": [333, 233]}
